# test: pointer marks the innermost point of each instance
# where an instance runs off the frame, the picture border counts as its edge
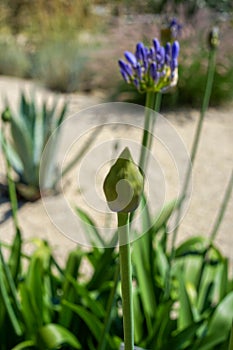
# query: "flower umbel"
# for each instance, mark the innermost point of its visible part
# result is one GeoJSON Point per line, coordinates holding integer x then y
{"type": "Point", "coordinates": [152, 68]}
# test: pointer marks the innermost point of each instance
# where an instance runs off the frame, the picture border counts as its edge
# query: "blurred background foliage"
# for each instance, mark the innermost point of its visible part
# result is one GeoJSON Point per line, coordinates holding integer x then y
{"type": "Point", "coordinates": [74, 45]}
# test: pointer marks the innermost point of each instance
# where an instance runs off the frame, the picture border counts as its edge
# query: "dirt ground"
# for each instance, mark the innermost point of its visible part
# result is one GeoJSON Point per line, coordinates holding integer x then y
{"type": "Point", "coordinates": [210, 174]}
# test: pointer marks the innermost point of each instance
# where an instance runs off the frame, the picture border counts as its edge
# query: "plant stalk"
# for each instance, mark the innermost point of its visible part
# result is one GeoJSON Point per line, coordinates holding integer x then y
{"type": "Point", "coordinates": [222, 209]}
{"type": "Point", "coordinates": [148, 129]}
{"type": "Point", "coordinates": [205, 104]}
{"type": "Point", "coordinates": [126, 280]}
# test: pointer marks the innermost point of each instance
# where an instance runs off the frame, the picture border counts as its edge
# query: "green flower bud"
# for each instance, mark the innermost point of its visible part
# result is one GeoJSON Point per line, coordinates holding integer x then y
{"type": "Point", "coordinates": [214, 38]}
{"type": "Point", "coordinates": [123, 186]}
{"type": "Point", "coordinates": [6, 115]}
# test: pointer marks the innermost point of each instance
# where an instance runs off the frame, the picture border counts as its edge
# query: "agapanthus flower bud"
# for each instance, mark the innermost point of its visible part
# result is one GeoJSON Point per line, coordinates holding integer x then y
{"type": "Point", "coordinates": [175, 50]}
{"type": "Point", "coordinates": [214, 38]}
{"type": "Point", "coordinates": [151, 69]}
{"type": "Point", "coordinates": [123, 185]}
{"type": "Point", "coordinates": [6, 115]}
{"type": "Point", "coordinates": [139, 51]}
{"type": "Point", "coordinates": [156, 44]}
{"type": "Point", "coordinates": [131, 58]}
{"type": "Point", "coordinates": [171, 30]}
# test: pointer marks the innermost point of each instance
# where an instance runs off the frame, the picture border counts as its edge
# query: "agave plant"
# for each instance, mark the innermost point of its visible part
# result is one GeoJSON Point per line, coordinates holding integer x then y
{"type": "Point", "coordinates": [30, 130]}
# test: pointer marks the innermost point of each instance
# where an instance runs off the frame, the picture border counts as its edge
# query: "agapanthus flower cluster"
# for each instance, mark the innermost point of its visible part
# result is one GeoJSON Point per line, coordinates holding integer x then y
{"type": "Point", "coordinates": [175, 28]}
{"type": "Point", "coordinates": [152, 68]}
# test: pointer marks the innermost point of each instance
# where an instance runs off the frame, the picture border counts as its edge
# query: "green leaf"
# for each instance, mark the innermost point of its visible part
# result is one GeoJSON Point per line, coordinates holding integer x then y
{"type": "Point", "coordinates": [182, 338]}
{"type": "Point", "coordinates": [220, 324]}
{"type": "Point", "coordinates": [157, 334]}
{"type": "Point", "coordinates": [90, 228]}
{"type": "Point", "coordinates": [53, 336]}
{"type": "Point", "coordinates": [24, 345]}
{"type": "Point", "coordinates": [24, 147]}
{"type": "Point", "coordinates": [35, 287]}
{"type": "Point", "coordinates": [10, 284]}
{"type": "Point", "coordinates": [144, 278]}
{"type": "Point", "coordinates": [185, 318]}
{"type": "Point", "coordinates": [11, 155]}
{"type": "Point", "coordinates": [62, 115]}
{"type": "Point", "coordinates": [165, 213]}
{"type": "Point", "coordinates": [192, 245]}
{"type": "Point", "coordinates": [93, 323]}
{"type": "Point", "coordinates": [69, 292]}
{"type": "Point", "coordinates": [38, 139]}
{"type": "Point", "coordinates": [221, 280]}
{"type": "Point", "coordinates": [30, 321]}
{"type": "Point", "coordinates": [231, 339]}
{"type": "Point", "coordinates": [15, 255]}
{"type": "Point", "coordinates": [107, 257]}
{"type": "Point", "coordinates": [138, 316]}
{"type": "Point", "coordinates": [161, 262]}
{"type": "Point", "coordinates": [7, 302]}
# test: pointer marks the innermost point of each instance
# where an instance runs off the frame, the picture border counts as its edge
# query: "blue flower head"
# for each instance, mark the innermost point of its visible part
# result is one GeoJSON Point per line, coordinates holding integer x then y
{"type": "Point", "coordinates": [171, 30]}
{"type": "Point", "coordinates": [152, 68]}
{"type": "Point", "coordinates": [175, 28]}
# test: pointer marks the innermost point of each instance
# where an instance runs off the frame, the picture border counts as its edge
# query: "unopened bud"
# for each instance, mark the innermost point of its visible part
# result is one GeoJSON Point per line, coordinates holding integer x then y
{"type": "Point", "coordinates": [6, 115]}
{"type": "Point", "coordinates": [123, 185]}
{"type": "Point", "coordinates": [214, 38]}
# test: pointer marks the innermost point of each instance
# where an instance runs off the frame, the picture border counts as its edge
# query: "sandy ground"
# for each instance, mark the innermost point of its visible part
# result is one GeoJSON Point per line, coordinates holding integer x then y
{"type": "Point", "coordinates": [210, 174]}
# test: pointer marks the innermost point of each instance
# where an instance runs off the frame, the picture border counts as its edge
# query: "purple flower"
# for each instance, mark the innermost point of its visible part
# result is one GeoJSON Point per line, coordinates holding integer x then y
{"type": "Point", "coordinates": [156, 45]}
{"type": "Point", "coordinates": [175, 49]}
{"type": "Point", "coordinates": [152, 68]}
{"type": "Point", "coordinates": [139, 51]}
{"type": "Point", "coordinates": [175, 28]}
{"type": "Point", "coordinates": [131, 58]}
{"type": "Point", "coordinates": [153, 71]}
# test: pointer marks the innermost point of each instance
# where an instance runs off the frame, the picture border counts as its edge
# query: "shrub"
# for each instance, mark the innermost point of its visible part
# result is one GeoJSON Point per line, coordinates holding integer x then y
{"type": "Point", "coordinates": [13, 58]}
{"type": "Point", "coordinates": [59, 63]}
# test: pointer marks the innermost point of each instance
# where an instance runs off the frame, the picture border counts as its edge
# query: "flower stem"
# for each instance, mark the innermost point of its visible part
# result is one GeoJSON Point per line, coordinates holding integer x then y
{"type": "Point", "coordinates": [126, 280]}
{"type": "Point", "coordinates": [222, 208]}
{"type": "Point", "coordinates": [148, 129]}
{"type": "Point", "coordinates": [205, 104]}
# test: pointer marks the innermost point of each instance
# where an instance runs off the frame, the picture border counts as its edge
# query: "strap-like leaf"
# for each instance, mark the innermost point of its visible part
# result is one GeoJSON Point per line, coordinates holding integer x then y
{"type": "Point", "coordinates": [53, 336]}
